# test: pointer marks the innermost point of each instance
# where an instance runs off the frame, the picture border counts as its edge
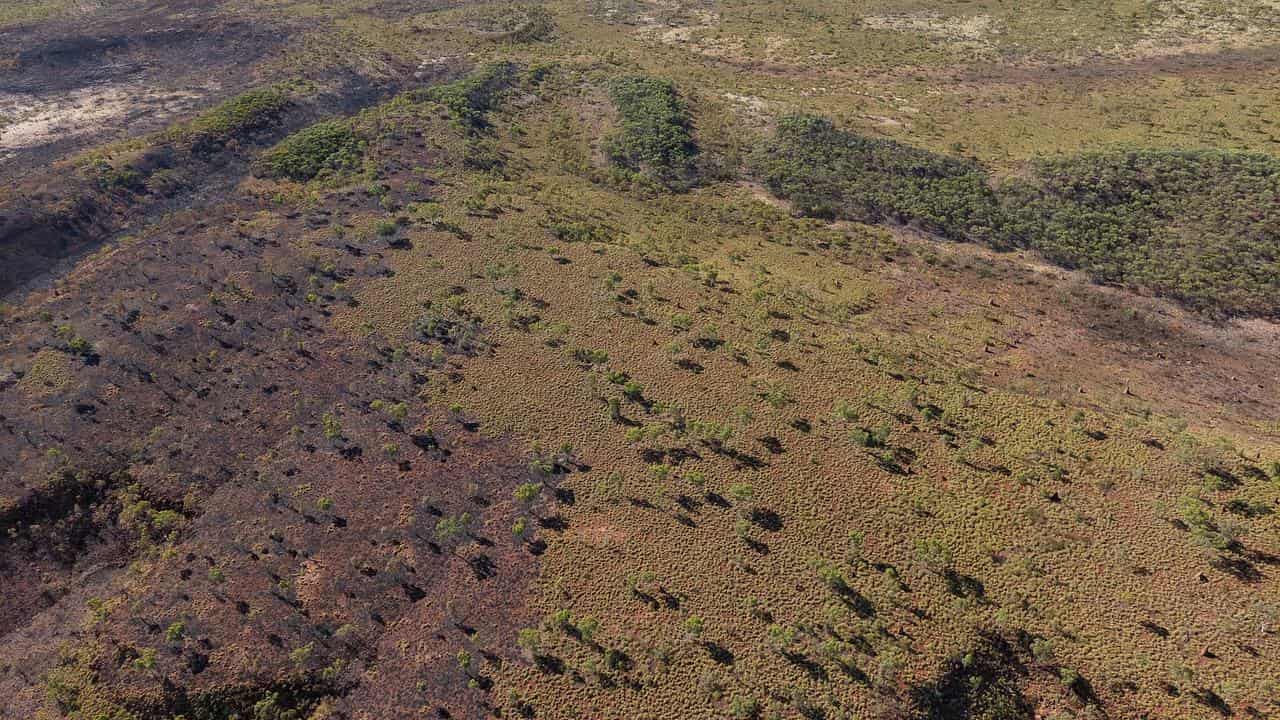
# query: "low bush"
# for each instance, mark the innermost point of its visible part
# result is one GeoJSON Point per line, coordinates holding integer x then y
{"type": "Point", "coordinates": [326, 146]}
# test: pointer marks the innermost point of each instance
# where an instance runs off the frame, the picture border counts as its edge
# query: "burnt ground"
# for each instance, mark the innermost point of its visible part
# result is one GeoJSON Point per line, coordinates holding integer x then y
{"type": "Point", "coordinates": [51, 217]}
{"type": "Point", "coordinates": [108, 73]}
{"type": "Point", "coordinates": [94, 79]}
{"type": "Point", "coordinates": [69, 83]}
{"type": "Point", "coordinates": [58, 212]}
{"type": "Point", "coordinates": [203, 463]}
{"type": "Point", "coordinates": [1056, 334]}
{"type": "Point", "coordinates": [191, 444]}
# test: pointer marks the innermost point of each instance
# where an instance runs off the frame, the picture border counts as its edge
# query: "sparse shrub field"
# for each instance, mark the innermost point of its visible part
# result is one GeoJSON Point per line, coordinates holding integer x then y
{"type": "Point", "coordinates": [649, 359]}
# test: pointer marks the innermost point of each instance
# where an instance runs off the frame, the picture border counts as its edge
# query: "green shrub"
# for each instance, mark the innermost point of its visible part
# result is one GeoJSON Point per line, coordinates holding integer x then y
{"type": "Point", "coordinates": [633, 390]}
{"type": "Point", "coordinates": [744, 708]}
{"type": "Point", "coordinates": [528, 492]}
{"type": "Point", "coordinates": [326, 146]}
{"type": "Point", "coordinates": [471, 99]}
{"type": "Point", "coordinates": [935, 554]}
{"type": "Point", "coordinates": [253, 110]}
{"type": "Point", "coordinates": [451, 527]}
{"type": "Point", "coordinates": [654, 142]}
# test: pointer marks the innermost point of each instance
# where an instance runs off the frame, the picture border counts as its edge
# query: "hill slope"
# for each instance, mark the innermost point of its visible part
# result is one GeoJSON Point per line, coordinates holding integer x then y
{"type": "Point", "coordinates": [641, 360]}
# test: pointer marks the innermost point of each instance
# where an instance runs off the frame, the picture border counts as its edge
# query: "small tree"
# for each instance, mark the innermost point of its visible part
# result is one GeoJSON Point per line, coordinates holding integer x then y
{"type": "Point", "coordinates": [830, 574]}
{"type": "Point", "coordinates": [889, 668]}
{"type": "Point", "coordinates": [781, 638]}
{"type": "Point", "coordinates": [331, 426]}
{"type": "Point", "coordinates": [693, 626]}
{"type": "Point", "coordinates": [935, 554]}
{"type": "Point", "coordinates": [466, 662]}
{"type": "Point", "coordinates": [520, 528]}
{"type": "Point", "coordinates": [587, 628]}
{"type": "Point", "coordinates": [561, 619]}
{"type": "Point", "coordinates": [743, 708]}
{"type": "Point", "coordinates": [528, 493]}
{"type": "Point", "coordinates": [855, 556]}
{"type": "Point", "coordinates": [1042, 651]}
{"type": "Point", "coordinates": [529, 641]}
{"type": "Point", "coordinates": [452, 529]}
{"type": "Point", "coordinates": [743, 494]}
{"type": "Point", "coordinates": [1181, 675]}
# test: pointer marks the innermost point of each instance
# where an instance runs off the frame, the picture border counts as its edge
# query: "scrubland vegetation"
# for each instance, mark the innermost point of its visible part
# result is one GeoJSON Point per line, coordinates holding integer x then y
{"type": "Point", "coordinates": [1198, 226]}
{"type": "Point", "coordinates": [829, 173]}
{"type": "Point", "coordinates": [627, 360]}
{"type": "Point", "coordinates": [325, 146]}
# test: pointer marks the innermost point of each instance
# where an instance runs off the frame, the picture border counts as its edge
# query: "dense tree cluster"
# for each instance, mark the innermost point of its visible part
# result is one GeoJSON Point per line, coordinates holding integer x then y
{"type": "Point", "coordinates": [326, 146]}
{"type": "Point", "coordinates": [1199, 226]}
{"type": "Point", "coordinates": [654, 142]}
{"type": "Point", "coordinates": [471, 99]}
{"type": "Point", "coordinates": [1202, 227]}
{"type": "Point", "coordinates": [829, 173]}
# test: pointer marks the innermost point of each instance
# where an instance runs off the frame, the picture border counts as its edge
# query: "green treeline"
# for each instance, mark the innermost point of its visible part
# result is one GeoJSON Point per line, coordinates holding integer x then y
{"type": "Point", "coordinates": [1202, 226]}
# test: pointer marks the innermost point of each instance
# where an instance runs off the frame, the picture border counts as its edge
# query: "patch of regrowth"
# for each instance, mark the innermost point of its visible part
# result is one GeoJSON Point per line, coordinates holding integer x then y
{"type": "Point", "coordinates": [470, 100]}
{"type": "Point", "coordinates": [327, 147]}
{"type": "Point", "coordinates": [517, 23]}
{"type": "Point", "coordinates": [252, 111]}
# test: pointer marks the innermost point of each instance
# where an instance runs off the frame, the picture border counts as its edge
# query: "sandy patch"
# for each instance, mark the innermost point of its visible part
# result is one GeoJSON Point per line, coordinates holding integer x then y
{"type": "Point", "coordinates": [972, 29]}
{"type": "Point", "coordinates": [751, 103]}
{"type": "Point", "coordinates": [31, 121]}
{"type": "Point", "coordinates": [1196, 26]}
